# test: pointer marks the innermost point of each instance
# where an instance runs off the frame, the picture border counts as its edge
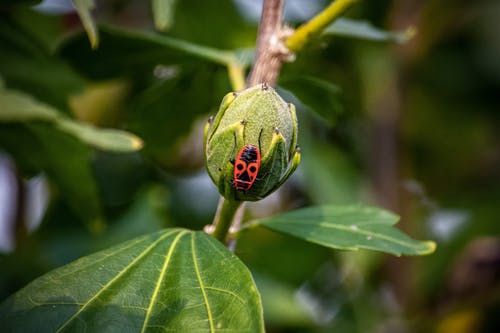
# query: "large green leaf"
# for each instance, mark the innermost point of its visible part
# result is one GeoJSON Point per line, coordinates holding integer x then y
{"type": "Point", "coordinates": [348, 228]}
{"type": "Point", "coordinates": [175, 280]}
{"type": "Point", "coordinates": [19, 107]}
{"type": "Point", "coordinates": [364, 30]}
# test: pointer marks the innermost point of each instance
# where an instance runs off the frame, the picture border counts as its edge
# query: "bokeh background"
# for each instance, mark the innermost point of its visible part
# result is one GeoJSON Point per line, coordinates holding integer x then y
{"type": "Point", "coordinates": [413, 127]}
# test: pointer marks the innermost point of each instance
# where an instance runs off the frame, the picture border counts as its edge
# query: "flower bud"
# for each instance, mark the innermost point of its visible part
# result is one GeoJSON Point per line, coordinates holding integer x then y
{"type": "Point", "coordinates": [256, 131]}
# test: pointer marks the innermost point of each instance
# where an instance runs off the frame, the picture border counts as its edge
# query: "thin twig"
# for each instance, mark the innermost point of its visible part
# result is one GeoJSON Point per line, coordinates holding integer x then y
{"type": "Point", "coordinates": [317, 24]}
{"type": "Point", "coordinates": [270, 48]}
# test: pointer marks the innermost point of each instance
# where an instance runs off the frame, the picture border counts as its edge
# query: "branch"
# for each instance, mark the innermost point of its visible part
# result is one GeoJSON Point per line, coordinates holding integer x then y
{"type": "Point", "coordinates": [224, 218]}
{"type": "Point", "coordinates": [271, 51]}
{"type": "Point", "coordinates": [317, 24]}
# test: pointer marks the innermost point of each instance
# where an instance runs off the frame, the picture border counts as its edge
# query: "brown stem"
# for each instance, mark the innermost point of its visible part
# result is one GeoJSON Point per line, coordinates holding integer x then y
{"type": "Point", "coordinates": [270, 47]}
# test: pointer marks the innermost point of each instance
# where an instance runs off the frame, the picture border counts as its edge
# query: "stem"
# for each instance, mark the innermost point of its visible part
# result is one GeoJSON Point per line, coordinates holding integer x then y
{"type": "Point", "coordinates": [224, 218]}
{"type": "Point", "coordinates": [269, 55]}
{"type": "Point", "coordinates": [236, 72]}
{"type": "Point", "coordinates": [317, 24]}
{"type": "Point", "coordinates": [235, 226]}
{"type": "Point", "coordinates": [269, 52]}
{"type": "Point", "coordinates": [217, 56]}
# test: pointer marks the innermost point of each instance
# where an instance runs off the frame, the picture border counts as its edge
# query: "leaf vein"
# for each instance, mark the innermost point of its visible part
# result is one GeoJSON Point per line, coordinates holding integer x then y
{"type": "Point", "coordinates": [107, 285]}
{"type": "Point", "coordinates": [358, 231]}
{"type": "Point", "coordinates": [160, 279]}
{"type": "Point", "coordinates": [227, 292]}
{"type": "Point", "coordinates": [94, 263]}
{"type": "Point", "coordinates": [202, 287]}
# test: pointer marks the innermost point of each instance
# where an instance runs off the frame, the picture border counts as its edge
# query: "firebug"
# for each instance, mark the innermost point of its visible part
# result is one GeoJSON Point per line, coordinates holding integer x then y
{"type": "Point", "coordinates": [246, 167]}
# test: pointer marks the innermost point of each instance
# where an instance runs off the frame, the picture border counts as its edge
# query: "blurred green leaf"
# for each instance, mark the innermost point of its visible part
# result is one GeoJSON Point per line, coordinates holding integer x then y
{"type": "Point", "coordinates": [223, 26]}
{"type": "Point", "coordinates": [364, 30]}
{"type": "Point", "coordinates": [332, 176]}
{"type": "Point", "coordinates": [348, 228]}
{"type": "Point", "coordinates": [172, 89]}
{"type": "Point", "coordinates": [215, 55]}
{"type": "Point", "coordinates": [83, 7]}
{"type": "Point", "coordinates": [175, 280]}
{"type": "Point", "coordinates": [281, 304]}
{"type": "Point", "coordinates": [321, 96]}
{"type": "Point", "coordinates": [163, 13]}
{"type": "Point", "coordinates": [36, 147]}
{"type": "Point", "coordinates": [164, 113]}
{"type": "Point", "coordinates": [45, 29]}
{"type": "Point", "coordinates": [105, 139]}
{"type": "Point", "coordinates": [146, 214]}
{"type": "Point", "coordinates": [132, 52]}
{"type": "Point", "coordinates": [26, 60]}
{"type": "Point", "coordinates": [19, 107]}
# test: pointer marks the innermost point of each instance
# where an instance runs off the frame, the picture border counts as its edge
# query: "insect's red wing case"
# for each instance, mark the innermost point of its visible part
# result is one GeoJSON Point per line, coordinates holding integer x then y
{"type": "Point", "coordinates": [247, 160]}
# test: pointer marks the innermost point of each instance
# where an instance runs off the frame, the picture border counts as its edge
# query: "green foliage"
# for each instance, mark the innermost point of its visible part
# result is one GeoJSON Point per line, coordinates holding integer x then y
{"type": "Point", "coordinates": [364, 30]}
{"type": "Point", "coordinates": [319, 95]}
{"type": "Point", "coordinates": [46, 135]}
{"type": "Point", "coordinates": [149, 50]}
{"type": "Point", "coordinates": [173, 280]}
{"type": "Point", "coordinates": [84, 8]}
{"type": "Point", "coordinates": [38, 147]}
{"type": "Point", "coordinates": [392, 127]}
{"type": "Point", "coordinates": [20, 108]}
{"type": "Point", "coordinates": [27, 62]}
{"type": "Point", "coordinates": [348, 228]}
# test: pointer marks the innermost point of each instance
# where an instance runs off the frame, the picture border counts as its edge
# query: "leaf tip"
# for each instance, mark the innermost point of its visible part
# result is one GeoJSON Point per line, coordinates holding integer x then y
{"type": "Point", "coordinates": [430, 247]}
{"type": "Point", "coordinates": [163, 14]}
{"type": "Point", "coordinates": [94, 40]}
{"type": "Point", "coordinates": [136, 143]}
{"type": "Point", "coordinates": [407, 35]}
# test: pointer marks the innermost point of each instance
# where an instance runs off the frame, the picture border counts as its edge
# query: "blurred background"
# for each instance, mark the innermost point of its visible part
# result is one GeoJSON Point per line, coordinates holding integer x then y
{"type": "Point", "coordinates": [413, 127]}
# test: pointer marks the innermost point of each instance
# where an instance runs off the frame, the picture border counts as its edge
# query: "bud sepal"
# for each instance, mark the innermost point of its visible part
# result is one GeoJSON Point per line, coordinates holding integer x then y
{"type": "Point", "coordinates": [255, 118]}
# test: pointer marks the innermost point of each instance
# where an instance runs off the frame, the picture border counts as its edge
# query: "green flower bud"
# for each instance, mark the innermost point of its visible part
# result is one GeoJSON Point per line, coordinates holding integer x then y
{"type": "Point", "coordinates": [256, 116]}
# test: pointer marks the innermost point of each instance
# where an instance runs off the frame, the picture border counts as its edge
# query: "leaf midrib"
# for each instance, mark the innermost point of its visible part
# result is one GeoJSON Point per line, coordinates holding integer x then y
{"type": "Point", "coordinates": [202, 286]}
{"type": "Point", "coordinates": [154, 296]}
{"type": "Point", "coordinates": [348, 228]}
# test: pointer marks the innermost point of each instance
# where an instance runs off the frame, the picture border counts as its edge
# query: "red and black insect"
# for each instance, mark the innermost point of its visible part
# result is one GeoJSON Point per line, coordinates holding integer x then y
{"type": "Point", "coordinates": [246, 167]}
